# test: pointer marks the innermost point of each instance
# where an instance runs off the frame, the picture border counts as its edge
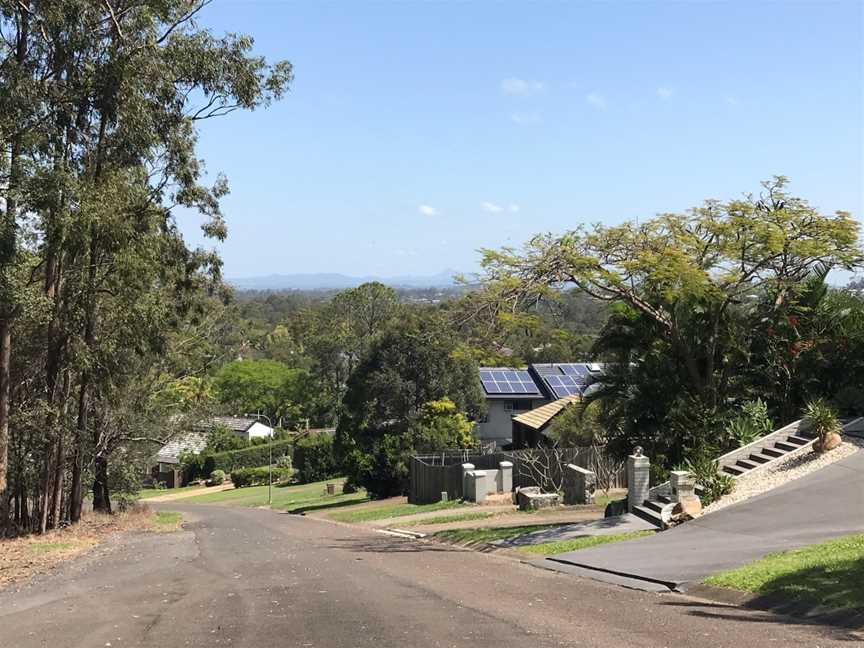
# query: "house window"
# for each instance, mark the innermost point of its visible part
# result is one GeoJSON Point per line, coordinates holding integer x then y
{"type": "Point", "coordinates": [517, 406]}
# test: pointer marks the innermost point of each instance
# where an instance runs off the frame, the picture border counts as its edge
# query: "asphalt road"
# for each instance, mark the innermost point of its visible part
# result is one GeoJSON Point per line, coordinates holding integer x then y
{"type": "Point", "coordinates": [254, 578]}
{"type": "Point", "coordinates": [820, 506]}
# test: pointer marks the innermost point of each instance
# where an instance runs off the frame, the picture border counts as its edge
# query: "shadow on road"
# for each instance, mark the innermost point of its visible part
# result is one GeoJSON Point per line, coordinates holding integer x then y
{"type": "Point", "coordinates": [838, 621]}
{"type": "Point", "coordinates": [386, 545]}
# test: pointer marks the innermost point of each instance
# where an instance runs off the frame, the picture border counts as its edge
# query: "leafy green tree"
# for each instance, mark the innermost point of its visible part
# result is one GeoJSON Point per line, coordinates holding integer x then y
{"type": "Point", "coordinates": [440, 425]}
{"type": "Point", "coordinates": [679, 339]}
{"type": "Point", "coordinates": [409, 366]}
{"type": "Point", "coordinates": [577, 425]}
{"type": "Point", "coordinates": [98, 126]}
{"type": "Point", "coordinates": [264, 386]}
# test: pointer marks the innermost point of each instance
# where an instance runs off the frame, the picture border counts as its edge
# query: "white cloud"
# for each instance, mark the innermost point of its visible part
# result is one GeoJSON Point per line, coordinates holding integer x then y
{"type": "Point", "coordinates": [522, 87]}
{"type": "Point", "coordinates": [428, 210]}
{"type": "Point", "coordinates": [491, 208]}
{"type": "Point", "coordinates": [664, 93]}
{"type": "Point", "coordinates": [532, 117]}
{"type": "Point", "coordinates": [513, 207]}
{"type": "Point", "coordinates": [596, 100]}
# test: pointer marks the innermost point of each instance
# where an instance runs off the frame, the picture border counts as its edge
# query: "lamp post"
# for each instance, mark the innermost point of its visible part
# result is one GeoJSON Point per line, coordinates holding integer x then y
{"type": "Point", "coordinates": [258, 415]}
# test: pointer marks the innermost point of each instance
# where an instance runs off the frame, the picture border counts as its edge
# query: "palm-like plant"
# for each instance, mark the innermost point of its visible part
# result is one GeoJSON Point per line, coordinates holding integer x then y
{"type": "Point", "coordinates": [822, 420]}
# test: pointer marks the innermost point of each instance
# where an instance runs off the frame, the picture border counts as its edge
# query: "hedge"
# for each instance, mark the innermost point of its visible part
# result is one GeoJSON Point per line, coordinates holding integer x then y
{"type": "Point", "coordinates": [314, 460]}
{"type": "Point", "coordinates": [257, 455]}
{"type": "Point", "coordinates": [259, 476]}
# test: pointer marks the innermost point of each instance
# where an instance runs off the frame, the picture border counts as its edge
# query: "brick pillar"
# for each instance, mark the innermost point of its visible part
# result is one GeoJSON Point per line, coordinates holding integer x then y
{"type": "Point", "coordinates": [638, 479]}
{"type": "Point", "coordinates": [505, 470]}
{"type": "Point", "coordinates": [477, 479]}
{"type": "Point", "coordinates": [466, 468]}
{"type": "Point", "coordinates": [683, 485]}
{"type": "Point", "coordinates": [579, 485]}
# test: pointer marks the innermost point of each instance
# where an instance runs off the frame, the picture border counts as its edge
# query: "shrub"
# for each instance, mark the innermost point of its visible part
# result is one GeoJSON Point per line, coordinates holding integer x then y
{"type": "Point", "coordinates": [284, 461]}
{"type": "Point", "coordinates": [750, 424]}
{"type": "Point", "coordinates": [258, 455]}
{"type": "Point", "coordinates": [216, 477]}
{"type": "Point", "coordinates": [259, 476]}
{"type": "Point", "coordinates": [314, 459]}
{"type": "Point", "coordinates": [850, 401]}
{"type": "Point", "coordinates": [715, 484]}
{"type": "Point", "coordinates": [822, 420]}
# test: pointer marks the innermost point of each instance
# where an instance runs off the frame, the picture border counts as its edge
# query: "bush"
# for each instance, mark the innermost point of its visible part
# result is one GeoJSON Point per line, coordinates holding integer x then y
{"type": "Point", "coordinates": [715, 484]}
{"type": "Point", "coordinates": [849, 401]}
{"type": "Point", "coordinates": [750, 424]}
{"type": "Point", "coordinates": [216, 478]}
{"type": "Point", "coordinates": [258, 455]}
{"type": "Point", "coordinates": [284, 461]}
{"type": "Point", "coordinates": [314, 459]}
{"type": "Point", "coordinates": [259, 476]}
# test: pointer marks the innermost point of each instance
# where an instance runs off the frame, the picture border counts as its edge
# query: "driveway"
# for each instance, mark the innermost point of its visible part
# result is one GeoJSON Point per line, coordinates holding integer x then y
{"type": "Point", "coordinates": [823, 505]}
{"type": "Point", "coordinates": [249, 577]}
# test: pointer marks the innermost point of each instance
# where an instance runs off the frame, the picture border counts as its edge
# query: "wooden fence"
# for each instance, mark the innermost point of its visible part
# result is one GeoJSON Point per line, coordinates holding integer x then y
{"type": "Point", "coordinates": [431, 475]}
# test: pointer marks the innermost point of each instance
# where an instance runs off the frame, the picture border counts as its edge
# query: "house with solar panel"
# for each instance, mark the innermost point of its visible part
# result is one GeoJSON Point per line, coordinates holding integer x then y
{"type": "Point", "coordinates": [515, 393]}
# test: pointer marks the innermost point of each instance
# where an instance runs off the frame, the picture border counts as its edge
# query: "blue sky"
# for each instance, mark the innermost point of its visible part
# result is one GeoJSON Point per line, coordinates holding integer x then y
{"type": "Point", "coordinates": [416, 133]}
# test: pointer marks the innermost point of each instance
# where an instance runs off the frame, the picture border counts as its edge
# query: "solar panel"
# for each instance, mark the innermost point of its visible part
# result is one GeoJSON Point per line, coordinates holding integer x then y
{"type": "Point", "coordinates": [507, 381]}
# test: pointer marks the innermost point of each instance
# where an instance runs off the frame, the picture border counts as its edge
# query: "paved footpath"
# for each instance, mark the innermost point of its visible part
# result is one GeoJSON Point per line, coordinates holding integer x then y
{"type": "Point", "coordinates": [821, 506]}
{"type": "Point", "coordinates": [251, 578]}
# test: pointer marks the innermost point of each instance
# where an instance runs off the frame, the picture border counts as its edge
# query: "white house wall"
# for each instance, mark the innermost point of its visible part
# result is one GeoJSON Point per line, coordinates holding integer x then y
{"type": "Point", "coordinates": [258, 430]}
{"type": "Point", "coordinates": [498, 426]}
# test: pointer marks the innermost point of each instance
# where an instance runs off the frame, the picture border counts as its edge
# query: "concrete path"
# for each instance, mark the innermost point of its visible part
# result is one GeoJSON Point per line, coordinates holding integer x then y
{"type": "Point", "coordinates": [204, 490]}
{"type": "Point", "coordinates": [823, 505]}
{"type": "Point", "coordinates": [605, 526]}
{"type": "Point", "coordinates": [248, 578]}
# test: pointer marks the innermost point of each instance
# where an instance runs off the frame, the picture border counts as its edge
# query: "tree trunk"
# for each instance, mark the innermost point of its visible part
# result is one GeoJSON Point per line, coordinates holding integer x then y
{"type": "Point", "coordinates": [59, 474]}
{"type": "Point", "coordinates": [101, 497]}
{"type": "Point", "coordinates": [8, 250]}
{"type": "Point", "coordinates": [5, 351]}
{"type": "Point", "coordinates": [76, 497]}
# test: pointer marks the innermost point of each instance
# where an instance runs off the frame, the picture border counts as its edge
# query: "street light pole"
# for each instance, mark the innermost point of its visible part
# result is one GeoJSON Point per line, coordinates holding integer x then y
{"type": "Point", "coordinates": [270, 452]}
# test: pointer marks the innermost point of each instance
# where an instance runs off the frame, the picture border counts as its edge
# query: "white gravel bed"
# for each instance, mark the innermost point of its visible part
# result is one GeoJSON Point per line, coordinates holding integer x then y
{"type": "Point", "coordinates": [795, 465]}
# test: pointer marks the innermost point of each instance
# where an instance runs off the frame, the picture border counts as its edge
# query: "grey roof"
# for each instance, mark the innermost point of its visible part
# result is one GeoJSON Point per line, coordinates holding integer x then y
{"type": "Point", "coordinates": [233, 423]}
{"type": "Point", "coordinates": [185, 441]}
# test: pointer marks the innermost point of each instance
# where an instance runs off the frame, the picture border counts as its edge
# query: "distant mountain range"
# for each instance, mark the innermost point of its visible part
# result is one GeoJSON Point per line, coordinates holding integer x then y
{"type": "Point", "coordinates": [334, 281]}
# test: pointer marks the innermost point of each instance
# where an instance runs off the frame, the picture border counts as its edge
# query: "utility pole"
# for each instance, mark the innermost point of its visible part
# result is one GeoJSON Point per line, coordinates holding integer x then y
{"type": "Point", "coordinates": [259, 415]}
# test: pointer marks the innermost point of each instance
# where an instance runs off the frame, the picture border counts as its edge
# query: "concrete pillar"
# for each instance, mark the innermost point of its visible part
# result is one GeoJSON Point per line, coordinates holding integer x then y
{"type": "Point", "coordinates": [505, 473]}
{"type": "Point", "coordinates": [683, 485]}
{"type": "Point", "coordinates": [466, 468]}
{"type": "Point", "coordinates": [638, 479]}
{"type": "Point", "coordinates": [579, 485]}
{"type": "Point", "coordinates": [477, 480]}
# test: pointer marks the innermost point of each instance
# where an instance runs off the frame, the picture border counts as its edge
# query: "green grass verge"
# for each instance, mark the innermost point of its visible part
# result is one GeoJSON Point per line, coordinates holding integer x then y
{"type": "Point", "coordinates": [830, 573]}
{"type": "Point", "coordinates": [167, 519]}
{"type": "Point", "coordinates": [454, 517]}
{"type": "Point", "coordinates": [47, 547]}
{"type": "Point", "coordinates": [563, 546]}
{"type": "Point", "coordinates": [490, 534]}
{"type": "Point", "coordinates": [305, 497]}
{"type": "Point", "coordinates": [391, 511]}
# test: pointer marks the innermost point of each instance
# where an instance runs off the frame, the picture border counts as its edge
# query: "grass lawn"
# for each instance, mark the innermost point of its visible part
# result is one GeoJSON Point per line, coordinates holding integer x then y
{"type": "Point", "coordinates": [167, 521]}
{"type": "Point", "coordinates": [829, 574]}
{"type": "Point", "coordinates": [392, 510]}
{"type": "Point", "coordinates": [551, 548]}
{"type": "Point", "coordinates": [46, 547]}
{"type": "Point", "coordinates": [305, 497]}
{"type": "Point", "coordinates": [491, 534]}
{"type": "Point", "coordinates": [146, 493]}
{"type": "Point", "coordinates": [453, 517]}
